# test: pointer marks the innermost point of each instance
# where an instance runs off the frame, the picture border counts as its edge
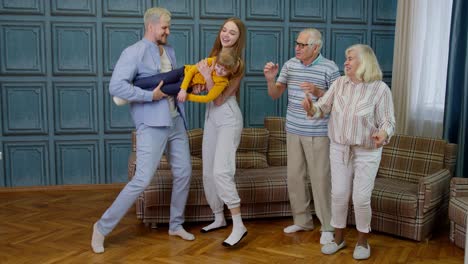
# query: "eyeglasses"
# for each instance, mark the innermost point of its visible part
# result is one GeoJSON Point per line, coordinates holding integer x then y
{"type": "Point", "coordinates": [302, 45]}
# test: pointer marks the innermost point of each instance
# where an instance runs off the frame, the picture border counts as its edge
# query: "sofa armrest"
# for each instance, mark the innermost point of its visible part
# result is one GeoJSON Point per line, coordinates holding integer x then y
{"type": "Point", "coordinates": [131, 165]}
{"type": "Point", "coordinates": [433, 190]}
{"type": "Point", "coordinates": [459, 187]}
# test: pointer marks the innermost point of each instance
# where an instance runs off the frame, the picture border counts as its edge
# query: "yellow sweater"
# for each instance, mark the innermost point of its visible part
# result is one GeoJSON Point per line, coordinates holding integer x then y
{"type": "Point", "coordinates": [192, 77]}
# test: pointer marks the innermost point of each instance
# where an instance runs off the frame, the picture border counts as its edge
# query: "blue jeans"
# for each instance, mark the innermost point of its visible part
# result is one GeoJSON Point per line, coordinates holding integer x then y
{"type": "Point", "coordinates": [151, 143]}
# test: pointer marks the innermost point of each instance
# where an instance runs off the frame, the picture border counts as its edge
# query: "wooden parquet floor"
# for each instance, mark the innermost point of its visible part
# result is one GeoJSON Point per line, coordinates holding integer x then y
{"type": "Point", "coordinates": [53, 225]}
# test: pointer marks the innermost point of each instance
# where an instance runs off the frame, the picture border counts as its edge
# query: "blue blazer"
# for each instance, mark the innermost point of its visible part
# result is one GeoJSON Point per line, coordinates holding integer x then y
{"type": "Point", "coordinates": [140, 60]}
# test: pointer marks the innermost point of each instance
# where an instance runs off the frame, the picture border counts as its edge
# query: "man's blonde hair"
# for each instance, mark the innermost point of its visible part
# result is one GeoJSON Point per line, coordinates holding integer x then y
{"type": "Point", "coordinates": [369, 69]}
{"type": "Point", "coordinates": [153, 15]}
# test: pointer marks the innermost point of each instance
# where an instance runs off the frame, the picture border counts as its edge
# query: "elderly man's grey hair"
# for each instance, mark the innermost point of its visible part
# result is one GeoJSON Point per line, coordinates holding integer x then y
{"type": "Point", "coordinates": [315, 37]}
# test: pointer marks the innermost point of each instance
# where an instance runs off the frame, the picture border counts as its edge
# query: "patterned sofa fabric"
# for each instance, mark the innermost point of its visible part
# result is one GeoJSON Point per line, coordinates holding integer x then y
{"type": "Point", "coordinates": [262, 186]}
{"type": "Point", "coordinates": [412, 186]}
{"type": "Point", "coordinates": [410, 195]}
{"type": "Point", "coordinates": [458, 210]}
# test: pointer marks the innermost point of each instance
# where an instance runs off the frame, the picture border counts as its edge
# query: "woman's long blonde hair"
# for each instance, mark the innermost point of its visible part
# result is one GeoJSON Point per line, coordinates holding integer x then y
{"type": "Point", "coordinates": [369, 69]}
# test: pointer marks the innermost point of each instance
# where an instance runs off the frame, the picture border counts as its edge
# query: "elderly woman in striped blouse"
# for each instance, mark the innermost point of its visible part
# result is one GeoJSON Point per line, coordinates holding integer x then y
{"type": "Point", "coordinates": [361, 122]}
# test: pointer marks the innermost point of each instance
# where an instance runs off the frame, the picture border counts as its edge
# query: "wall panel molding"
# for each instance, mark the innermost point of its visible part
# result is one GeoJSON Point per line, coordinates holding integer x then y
{"type": "Point", "coordinates": [349, 11]}
{"type": "Point", "coordinates": [117, 119]}
{"type": "Point", "coordinates": [24, 108]}
{"type": "Point", "coordinates": [257, 103]}
{"type": "Point", "coordinates": [182, 40]}
{"type": "Point", "coordinates": [125, 8]}
{"type": "Point", "coordinates": [77, 162]}
{"type": "Point", "coordinates": [178, 8]}
{"type": "Point", "coordinates": [75, 107]}
{"type": "Point", "coordinates": [74, 8]}
{"type": "Point", "coordinates": [27, 163]}
{"type": "Point", "coordinates": [221, 9]}
{"type": "Point", "coordinates": [257, 55]}
{"type": "Point", "coordinates": [208, 34]}
{"type": "Point", "coordinates": [384, 12]}
{"type": "Point", "coordinates": [308, 11]}
{"type": "Point", "coordinates": [117, 37]}
{"type": "Point", "coordinates": [117, 152]}
{"type": "Point", "coordinates": [74, 48]}
{"type": "Point", "coordinates": [31, 7]}
{"type": "Point", "coordinates": [272, 10]}
{"type": "Point", "coordinates": [383, 44]}
{"type": "Point", "coordinates": [22, 48]}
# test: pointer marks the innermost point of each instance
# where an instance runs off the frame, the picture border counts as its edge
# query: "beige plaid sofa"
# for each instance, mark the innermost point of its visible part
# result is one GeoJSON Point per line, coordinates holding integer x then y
{"type": "Point", "coordinates": [411, 191]}
{"type": "Point", "coordinates": [260, 178]}
{"type": "Point", "coordinates": [458, 210]}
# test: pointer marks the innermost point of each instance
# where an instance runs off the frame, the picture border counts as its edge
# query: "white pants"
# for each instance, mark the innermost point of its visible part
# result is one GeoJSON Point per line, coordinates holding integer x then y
{"type": "Point", "coordinates": [353, 170]}
{"type": "Point", "coordinates": [221, 137]}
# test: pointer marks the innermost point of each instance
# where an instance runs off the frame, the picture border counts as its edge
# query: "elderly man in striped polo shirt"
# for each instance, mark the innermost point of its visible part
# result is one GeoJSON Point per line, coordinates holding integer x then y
{"type": "Point", "coordinates": [307, 141]}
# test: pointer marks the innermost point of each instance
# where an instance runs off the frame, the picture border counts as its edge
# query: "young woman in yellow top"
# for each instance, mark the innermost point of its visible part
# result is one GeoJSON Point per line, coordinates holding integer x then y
{"type": "Point", "coordinates": [178, 81]}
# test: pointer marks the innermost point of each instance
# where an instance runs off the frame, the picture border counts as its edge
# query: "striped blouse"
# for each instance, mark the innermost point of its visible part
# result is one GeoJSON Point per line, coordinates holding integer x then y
{"type": "Point", "coordinates": [357, 111]}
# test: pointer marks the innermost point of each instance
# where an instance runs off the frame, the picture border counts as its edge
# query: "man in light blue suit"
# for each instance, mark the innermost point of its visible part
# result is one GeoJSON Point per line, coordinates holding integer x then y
{"type": "Point", "coordinates": [160, 125]}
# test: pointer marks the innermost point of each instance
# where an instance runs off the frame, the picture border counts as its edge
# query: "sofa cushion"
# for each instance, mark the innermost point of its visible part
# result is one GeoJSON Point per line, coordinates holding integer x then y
{"type": "Point", "coordinates": [254, 139]}
{"type": "Point", "coordinates": [253, 185]}
{"type": "Point", "coordinates": [251, 153]}
{"type": "Point", "coordinates": [395, 198]}
{"type": "Point", "coordinates": [277, 155]}
{"type": "Point", "coordinates": [251, 160]}
{"type": "Point", "coordinates": [458, 209]}
{"type": "Point", "coordinates": [409, 158]}
{"type": "Point", "coordinates": [196, 163]}
{"type": "Point", "coordinates": [195, 137]}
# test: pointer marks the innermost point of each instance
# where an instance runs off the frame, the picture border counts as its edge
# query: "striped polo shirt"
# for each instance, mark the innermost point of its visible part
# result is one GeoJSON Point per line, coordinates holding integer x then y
{"type": "Point", "coordinates": [321, 72]}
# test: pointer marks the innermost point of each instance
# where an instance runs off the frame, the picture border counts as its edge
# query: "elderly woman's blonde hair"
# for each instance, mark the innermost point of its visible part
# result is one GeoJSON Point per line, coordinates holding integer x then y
{"type": "Point", "coordinates": [369, 69]}
{"type": "Point", "coordinates": [153, 15]}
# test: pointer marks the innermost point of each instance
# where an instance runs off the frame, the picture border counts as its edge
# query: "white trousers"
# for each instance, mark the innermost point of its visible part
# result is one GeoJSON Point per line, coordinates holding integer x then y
{"type": "Point", "coordinates": [353, 171]}
{"type": "Point", "coordinates": [221, 137]}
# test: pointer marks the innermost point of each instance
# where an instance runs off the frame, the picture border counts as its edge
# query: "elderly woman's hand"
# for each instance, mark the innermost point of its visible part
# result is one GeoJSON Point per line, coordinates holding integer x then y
{"type": "Point", "coordinates": [308, 105]}
{"type": "Point", "coordinates": [380, 138]}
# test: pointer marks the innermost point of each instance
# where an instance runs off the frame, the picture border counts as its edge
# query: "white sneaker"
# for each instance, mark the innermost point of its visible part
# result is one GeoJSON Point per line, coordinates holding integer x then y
{"type": "Point", "coordinates": [332, 248]}
{"type": "Point", "coordinates": [326, 238]}
{"type": "Point", "coordinates": [294, 229]}
{"type": "Point", "coordinates": [361, 252]}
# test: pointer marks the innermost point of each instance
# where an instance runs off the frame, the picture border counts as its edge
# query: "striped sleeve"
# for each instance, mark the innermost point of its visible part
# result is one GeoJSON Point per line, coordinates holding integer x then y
{"type": "Point", "coordinates": [385, 116]}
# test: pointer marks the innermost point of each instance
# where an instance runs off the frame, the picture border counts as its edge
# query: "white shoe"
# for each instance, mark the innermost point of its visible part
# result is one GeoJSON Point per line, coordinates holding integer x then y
{"type": "Point", "coordinates": [332, 248]}
{"type": "Point", "coordinates": [326, 238]}
{"type": "Point", "coordinates": [361, 252]}
{"type": "Point", "coordinates": [294, 229]}
{"type": "Point", "coordinates": [119, 101]}
{"type": "Point", "coordinates": [183, 234]}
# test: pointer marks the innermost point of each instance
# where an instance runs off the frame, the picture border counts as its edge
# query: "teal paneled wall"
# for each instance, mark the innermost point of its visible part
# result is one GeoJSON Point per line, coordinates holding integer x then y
{"type": "Point", "coordinates": [59, 125]}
